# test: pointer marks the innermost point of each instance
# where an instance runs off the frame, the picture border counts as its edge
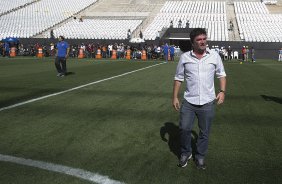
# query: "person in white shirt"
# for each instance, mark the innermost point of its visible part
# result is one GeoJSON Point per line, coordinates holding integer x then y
{"type": "Point", "coordinates": [198, 68]}
{"type": "Point", "coordinates": [280, 55]}
{"type": "Point", "coordinates": [110, 48]}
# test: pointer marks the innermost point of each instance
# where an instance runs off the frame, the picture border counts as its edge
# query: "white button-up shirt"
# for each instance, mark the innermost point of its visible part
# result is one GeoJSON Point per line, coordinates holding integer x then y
{"type": "Point", "coordinates": [199, 76]}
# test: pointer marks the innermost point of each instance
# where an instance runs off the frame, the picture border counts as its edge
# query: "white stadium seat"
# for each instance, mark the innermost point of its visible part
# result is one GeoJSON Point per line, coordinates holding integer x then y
{"type": "Point", "coordinates": [39, 16]}
{"type": "Point", "coordinates": [210, 15]}
{"type": "Point", "coordinates": [256, 24]}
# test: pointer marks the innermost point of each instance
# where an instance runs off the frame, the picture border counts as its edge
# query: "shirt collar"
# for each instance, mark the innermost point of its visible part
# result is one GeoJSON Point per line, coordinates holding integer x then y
{"type": "Point", "coordinates": [208, 51]}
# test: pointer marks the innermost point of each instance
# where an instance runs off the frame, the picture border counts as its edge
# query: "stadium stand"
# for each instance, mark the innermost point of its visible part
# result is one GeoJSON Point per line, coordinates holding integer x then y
{"type": "Point", "coordinates": [210, 15]}
{"type": "Point", "coordinates": [269, 2]}
{"type": "Point", "coordinates": [96, 29]}
{"type": "Point", "coordinates": [39, 16]}
{"type": "Point", "coordinates": [7, 6]}
{"type": "Point", "coordinates": [256, 24]}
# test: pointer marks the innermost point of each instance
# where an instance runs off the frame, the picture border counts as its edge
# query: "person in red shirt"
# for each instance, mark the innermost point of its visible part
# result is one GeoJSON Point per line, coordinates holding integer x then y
{"type": "Point", "coordinates": [244, 51]}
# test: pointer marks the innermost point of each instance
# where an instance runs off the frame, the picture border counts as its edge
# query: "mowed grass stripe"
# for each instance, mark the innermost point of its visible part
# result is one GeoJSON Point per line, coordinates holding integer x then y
{"type": "Point", "coordinates": [84, 126]}
{"type": "Point", "coordinates": [75, 88]}
{"type": "Point", "coordinates": [79, 173]}
{"type": "Point", "coordinates": [39, 117]}
{"type": "Point", "coordinates": [24, 80]}
{"type": "Point", "coordinates": [247, 127]}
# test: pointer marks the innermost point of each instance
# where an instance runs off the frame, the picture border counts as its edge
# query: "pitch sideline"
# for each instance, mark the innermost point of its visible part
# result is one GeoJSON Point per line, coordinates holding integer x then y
{"type": "Point", "coordinates": [75, 88]}
{"type": "Point", "coordinates": [78, 173]}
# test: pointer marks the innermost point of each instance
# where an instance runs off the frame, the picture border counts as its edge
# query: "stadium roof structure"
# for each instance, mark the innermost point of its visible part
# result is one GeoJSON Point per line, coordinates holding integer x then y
{"type": "Point", "coordinates": [177, 34]}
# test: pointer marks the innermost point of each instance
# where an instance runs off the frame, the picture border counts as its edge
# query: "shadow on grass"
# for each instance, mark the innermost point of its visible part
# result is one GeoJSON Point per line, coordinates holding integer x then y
{"type": "Point", "coordinates": [70, 73]}
{"type": "Point", "coordinates": [24, 96]}
{"type": "Point", "coordinates": [272, 98]}
{"type": "Point", "coordinates": [173, 139]}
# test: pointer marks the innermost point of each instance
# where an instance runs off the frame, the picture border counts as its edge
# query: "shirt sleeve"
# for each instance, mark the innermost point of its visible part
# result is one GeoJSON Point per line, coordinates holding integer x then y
{"type": "Point", "coordinates": [179, 75]}
{"type": "Point", "coordinates": [220, 71]}
{"type": "Point", "coordinates": [67, 45]}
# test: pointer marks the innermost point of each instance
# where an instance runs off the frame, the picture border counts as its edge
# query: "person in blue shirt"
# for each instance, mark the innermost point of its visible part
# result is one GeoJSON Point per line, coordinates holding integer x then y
{"type": "Point", "coordinates": [171, 49]}
{"type": "Point", "coordinates": [165, 50]}
{"type": "Point", "coordinates": [62, 52]}
{"type": "Point", "coordinates": [6, 49]}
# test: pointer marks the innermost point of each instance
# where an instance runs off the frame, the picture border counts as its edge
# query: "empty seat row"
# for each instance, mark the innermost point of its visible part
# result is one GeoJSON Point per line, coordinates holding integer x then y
{"type": "Point", "coordinates": [256, 24]}
{"type": "Point", "coordinates": [193, 7]}
{"type": "Point", "coordinates": [209, 15]}
{"type": "Point", "coordinates": [40, 16]}
{"type": "Point", "coordinates": [250, 7]}
{"type": "Point", "coordinates": [96, 29]}
{"type": "Point", "coordinates": [9, 5]}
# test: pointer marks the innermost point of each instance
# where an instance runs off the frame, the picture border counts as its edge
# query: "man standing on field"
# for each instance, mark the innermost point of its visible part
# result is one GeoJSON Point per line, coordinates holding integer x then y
{"type": "Point", "coordinates": [62, 52]}
{"type": "Point", "coordinates": [199, 68]}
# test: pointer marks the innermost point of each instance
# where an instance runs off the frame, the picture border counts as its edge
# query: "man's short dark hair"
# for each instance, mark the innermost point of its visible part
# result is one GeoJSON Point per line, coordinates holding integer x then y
{"type": "Point", "coordinates": [196, 32]}
{"type": "Point", "coordinates": [62, 37]}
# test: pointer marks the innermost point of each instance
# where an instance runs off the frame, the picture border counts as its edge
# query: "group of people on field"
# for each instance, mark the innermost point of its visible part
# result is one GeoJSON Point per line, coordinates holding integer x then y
{"type": "Point", "coordinates": [248, 53]}
{"type": "Point", "coordinates": [90, 50]}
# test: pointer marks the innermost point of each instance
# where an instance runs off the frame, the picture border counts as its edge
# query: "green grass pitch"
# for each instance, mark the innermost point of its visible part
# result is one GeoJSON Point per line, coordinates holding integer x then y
{"type": "Point", "coordinates": [125, 128]}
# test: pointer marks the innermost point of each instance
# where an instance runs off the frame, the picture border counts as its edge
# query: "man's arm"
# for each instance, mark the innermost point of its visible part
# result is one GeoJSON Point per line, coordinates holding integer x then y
{"type": "Point", "coordinates": [68, 51]}
{"type": "Point", "coordinates": [175, 101]}
{"type": "Point", "coordinates": [221, 95]}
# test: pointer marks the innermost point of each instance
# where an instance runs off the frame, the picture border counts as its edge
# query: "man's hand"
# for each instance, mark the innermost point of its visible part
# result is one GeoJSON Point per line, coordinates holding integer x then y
{"type": "Point", "coordinates": [221, 95]}
{"type": "Point", "coordinates": [220, 98]}
{"type": "Point", "coordinates": [175, 104]}
{"type": "Point", "coordinates": [175, 101]}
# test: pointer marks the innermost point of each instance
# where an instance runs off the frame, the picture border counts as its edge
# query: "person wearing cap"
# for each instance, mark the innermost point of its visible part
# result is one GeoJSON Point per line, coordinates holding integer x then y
{"type": "Point", "coordinates": [62, 52]}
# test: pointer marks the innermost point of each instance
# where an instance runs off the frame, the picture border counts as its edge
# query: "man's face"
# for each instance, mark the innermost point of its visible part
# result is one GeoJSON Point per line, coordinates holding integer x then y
{"type": "Point", "coordinates": [60, 38]}
{"type": "Point", "coordinates": [200, 43]}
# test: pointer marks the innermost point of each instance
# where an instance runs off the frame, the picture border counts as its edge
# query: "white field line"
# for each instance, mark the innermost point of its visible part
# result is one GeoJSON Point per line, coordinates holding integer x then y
{"type": "Point", "coordinates": [79, 173]}
{"type": "Point", "coordinates": [75, 88]}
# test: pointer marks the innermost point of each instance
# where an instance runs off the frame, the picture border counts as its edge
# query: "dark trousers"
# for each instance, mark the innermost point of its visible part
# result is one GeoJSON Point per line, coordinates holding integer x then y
{"type": "Point", "coordinates": [230, 57]}
{"type": "Point", "coordinates": [188, 113]}
{"type": "Point", "coordinates": [61, 65]}
{"type": "Point", "coordinates": [6, 53]}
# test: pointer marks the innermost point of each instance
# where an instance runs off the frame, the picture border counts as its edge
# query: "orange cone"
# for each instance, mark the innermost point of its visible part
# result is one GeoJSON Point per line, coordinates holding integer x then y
{"type": "Point", "coordinates": [128, 53]}
{"type": "Point", "coordinates": [144, 57]}
{"type": "Point", "coordinates": [98, 55]}
{"type": "Point", "coordinates": [40, 52]}
{"type": "Point", "coordinates": [13, 52]}
{"type": "Point", "coordinates": [114, 54]}
{"type": "Point", "coordinates": [80, 54]}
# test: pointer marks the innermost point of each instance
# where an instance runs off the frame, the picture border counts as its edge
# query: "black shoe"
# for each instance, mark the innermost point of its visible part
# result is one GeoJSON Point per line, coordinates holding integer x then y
{"type": "Point", "coordinates": [183, 160]}
{"type": "Point", "coordinates": [200, 164]}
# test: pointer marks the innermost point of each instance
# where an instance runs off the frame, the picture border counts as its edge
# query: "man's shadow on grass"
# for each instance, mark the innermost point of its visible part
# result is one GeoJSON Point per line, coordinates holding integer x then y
{"type": "Point", "coordinates": [170, 133]}
{"type": "Point", "coordinates": [272, 98]}
{"type": "Point", "coordinates": [70, 73]}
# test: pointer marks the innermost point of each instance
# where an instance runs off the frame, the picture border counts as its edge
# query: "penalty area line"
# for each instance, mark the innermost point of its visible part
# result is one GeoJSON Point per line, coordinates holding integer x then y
{"type": "Point", "coordinates": [75, 88]}
{"type": "Point", "coordinates": [79, 173]}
